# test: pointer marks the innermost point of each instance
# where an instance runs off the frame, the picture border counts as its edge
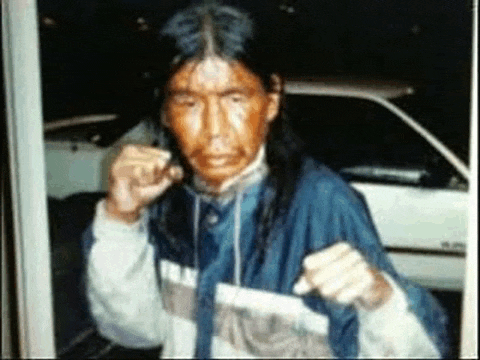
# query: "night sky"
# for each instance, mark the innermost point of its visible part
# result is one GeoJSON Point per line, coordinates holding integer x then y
{"type": "Point", "coordinates": [94, 55]}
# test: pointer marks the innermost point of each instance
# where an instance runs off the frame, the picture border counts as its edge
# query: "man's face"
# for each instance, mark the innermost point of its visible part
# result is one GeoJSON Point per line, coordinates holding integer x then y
{"type": "Point", "coordinates": [219, 113]}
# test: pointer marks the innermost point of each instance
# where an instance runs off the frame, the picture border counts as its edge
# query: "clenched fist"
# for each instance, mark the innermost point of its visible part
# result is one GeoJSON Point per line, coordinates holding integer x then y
{"type": "Point", "coordinates": [137, 176]}
{"type": "Point", "coordinates": [341, 273]}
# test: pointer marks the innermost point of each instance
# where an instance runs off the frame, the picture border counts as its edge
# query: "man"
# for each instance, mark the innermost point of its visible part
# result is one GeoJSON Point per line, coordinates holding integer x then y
{"type": "Point", "coordinates": [228, 240]}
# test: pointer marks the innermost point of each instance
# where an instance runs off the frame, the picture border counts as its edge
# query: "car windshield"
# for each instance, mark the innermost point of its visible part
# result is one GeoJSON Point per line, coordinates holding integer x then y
{"type": "Point", "coordinates": [429, 111]}
{"type": "Point", "coordinates": [366, 142]}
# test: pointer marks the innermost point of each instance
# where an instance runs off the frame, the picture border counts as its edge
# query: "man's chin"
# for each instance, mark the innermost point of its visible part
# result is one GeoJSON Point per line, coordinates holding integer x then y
{"type": "Point", "coordinates": [217, 175]}
{"type": "Point", "coordinates": [225, 164]}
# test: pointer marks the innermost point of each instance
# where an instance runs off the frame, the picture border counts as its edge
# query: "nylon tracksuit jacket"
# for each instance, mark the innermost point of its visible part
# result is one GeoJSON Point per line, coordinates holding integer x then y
{"type": "Point", "coordinates": [205, 291]}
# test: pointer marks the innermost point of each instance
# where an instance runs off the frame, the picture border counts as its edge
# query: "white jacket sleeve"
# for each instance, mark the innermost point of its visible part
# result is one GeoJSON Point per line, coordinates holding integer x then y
{"type": "Point", "coordinates": [393, 331]}
{"type": "Point", "coordinates": [122, 286]}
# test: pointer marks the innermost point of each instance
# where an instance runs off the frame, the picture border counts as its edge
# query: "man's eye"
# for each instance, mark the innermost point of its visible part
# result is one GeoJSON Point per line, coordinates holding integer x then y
{"type": "Point", "coordinates": [184, 100]}
{"type": "Point", "coordinates": [237, 98]}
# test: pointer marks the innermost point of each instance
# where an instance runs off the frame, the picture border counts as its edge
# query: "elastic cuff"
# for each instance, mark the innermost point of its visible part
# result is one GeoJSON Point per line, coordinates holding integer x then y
{"type": "Point", "coordinates": [107, 223]}
{"type": "Point", "coordinates": [395, 306]}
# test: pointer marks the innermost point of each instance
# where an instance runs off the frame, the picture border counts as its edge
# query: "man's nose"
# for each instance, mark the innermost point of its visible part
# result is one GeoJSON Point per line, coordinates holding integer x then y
{"type": "Point", "coordinates": [215, 119]}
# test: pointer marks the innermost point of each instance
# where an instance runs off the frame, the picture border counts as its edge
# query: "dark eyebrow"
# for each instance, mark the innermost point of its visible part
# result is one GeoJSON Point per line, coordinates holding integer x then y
{"type": "Point", "coordinates": [242, 91]}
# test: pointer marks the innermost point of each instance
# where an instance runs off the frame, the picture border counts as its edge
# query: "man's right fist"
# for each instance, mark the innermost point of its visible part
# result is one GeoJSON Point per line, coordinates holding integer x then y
{"type": "Point", "coordinates": [137, 176]}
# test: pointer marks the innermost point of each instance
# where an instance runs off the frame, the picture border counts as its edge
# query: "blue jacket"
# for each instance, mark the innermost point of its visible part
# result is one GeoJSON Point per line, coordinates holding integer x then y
{"type": "Point", "coordinates": [324, 210]}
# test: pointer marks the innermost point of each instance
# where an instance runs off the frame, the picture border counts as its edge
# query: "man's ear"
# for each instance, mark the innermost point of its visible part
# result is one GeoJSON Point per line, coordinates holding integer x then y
{"type": "Point", "coordinates": [163, 118]}
{"type": "Point", "coordinates": [274, 97]}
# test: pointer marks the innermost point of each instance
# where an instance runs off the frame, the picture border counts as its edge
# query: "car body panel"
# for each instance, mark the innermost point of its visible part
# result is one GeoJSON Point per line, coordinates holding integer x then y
{"type": "Point", "coordinates": [418, 218]}
{"type": "Point", "coordinates": [431, 271]}
{"type": "Point", "coordinates": [73, 168]}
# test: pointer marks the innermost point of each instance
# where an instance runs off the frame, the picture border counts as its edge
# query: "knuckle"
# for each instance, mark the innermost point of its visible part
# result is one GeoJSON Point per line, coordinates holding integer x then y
{"type": "Point", "coordinates": [326, 292]}
{"type": "Point", "coordinates": [159, 164]}
{"type": "Point", "coordinates": [116, 167]}
{"type": "Point", "coordinates": [369, 275]}
{"type": "Point", "coordinates": [337, 268]}
{"type": "Point", "coordinates": [319, 278]}
{"type": "Point", "coordinates": [129, 148]}
{"type": "Point", "coordinates": [327, 289]}
{"type": "Point", "coordinates": [356, 257]}
{"type": "Point", "coordinates": [365, 266]}
{"type": "Point", "coordinates": [139, 170]}
{"type": "Point", "coordinates": [312, 260]}
{"type": "Point", "coordinates": [148, 167]}
{"type": "Point", "coordinates": [167, 154]}
{"type": "Point", "coordinates": [346, 297]}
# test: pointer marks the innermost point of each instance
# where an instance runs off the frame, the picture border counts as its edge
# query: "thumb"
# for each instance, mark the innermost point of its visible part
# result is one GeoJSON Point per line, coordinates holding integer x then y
{"type": "Point", "coordinates": [152, 191]}
{"type": "Point", "coordinates": [174, 173]}
{"type": "Point", "coordinates": [302, 286]}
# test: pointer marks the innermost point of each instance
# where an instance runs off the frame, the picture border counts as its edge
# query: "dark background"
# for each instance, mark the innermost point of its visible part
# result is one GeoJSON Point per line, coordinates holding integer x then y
{"type": "Point", "coordinates": [96, 57]}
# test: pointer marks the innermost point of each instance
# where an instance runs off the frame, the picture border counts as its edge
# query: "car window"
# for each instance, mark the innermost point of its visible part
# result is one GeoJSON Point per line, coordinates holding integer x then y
{"type": "Point", "coordinates": [366, 142]}
{"type": "Point", "coordinates": [99, 133]}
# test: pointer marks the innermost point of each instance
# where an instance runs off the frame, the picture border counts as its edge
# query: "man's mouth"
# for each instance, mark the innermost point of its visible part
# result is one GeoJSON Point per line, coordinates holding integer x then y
{"type": "Point", "coordinates": [217, 160]}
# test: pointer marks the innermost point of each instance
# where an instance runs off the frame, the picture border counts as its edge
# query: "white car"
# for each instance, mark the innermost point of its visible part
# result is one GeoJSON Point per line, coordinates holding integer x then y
{"type": "Point", "coordinates": [416, 189]}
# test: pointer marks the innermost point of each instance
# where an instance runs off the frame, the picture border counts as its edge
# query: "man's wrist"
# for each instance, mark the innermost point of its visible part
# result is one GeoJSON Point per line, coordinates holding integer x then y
{"type": "Point", "coordinates": [380, 293]}
{"type": "Point", "coordinates": [396, 305]}
{"type": "Point", "coordinates": [112, 211]}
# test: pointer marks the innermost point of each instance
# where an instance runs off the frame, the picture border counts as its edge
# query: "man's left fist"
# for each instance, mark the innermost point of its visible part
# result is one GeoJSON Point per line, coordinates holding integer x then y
{"type": "Point", "coordinates": [341, 273]}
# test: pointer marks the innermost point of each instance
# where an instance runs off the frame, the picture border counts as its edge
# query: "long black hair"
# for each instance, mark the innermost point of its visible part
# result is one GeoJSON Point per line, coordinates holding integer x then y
{"type": "Point", "coordinates": [231, 34]}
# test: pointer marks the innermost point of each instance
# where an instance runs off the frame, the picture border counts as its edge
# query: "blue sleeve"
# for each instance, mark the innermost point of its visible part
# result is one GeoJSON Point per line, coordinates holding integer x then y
{"type": "Point", "coordinates": [346, 217]}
